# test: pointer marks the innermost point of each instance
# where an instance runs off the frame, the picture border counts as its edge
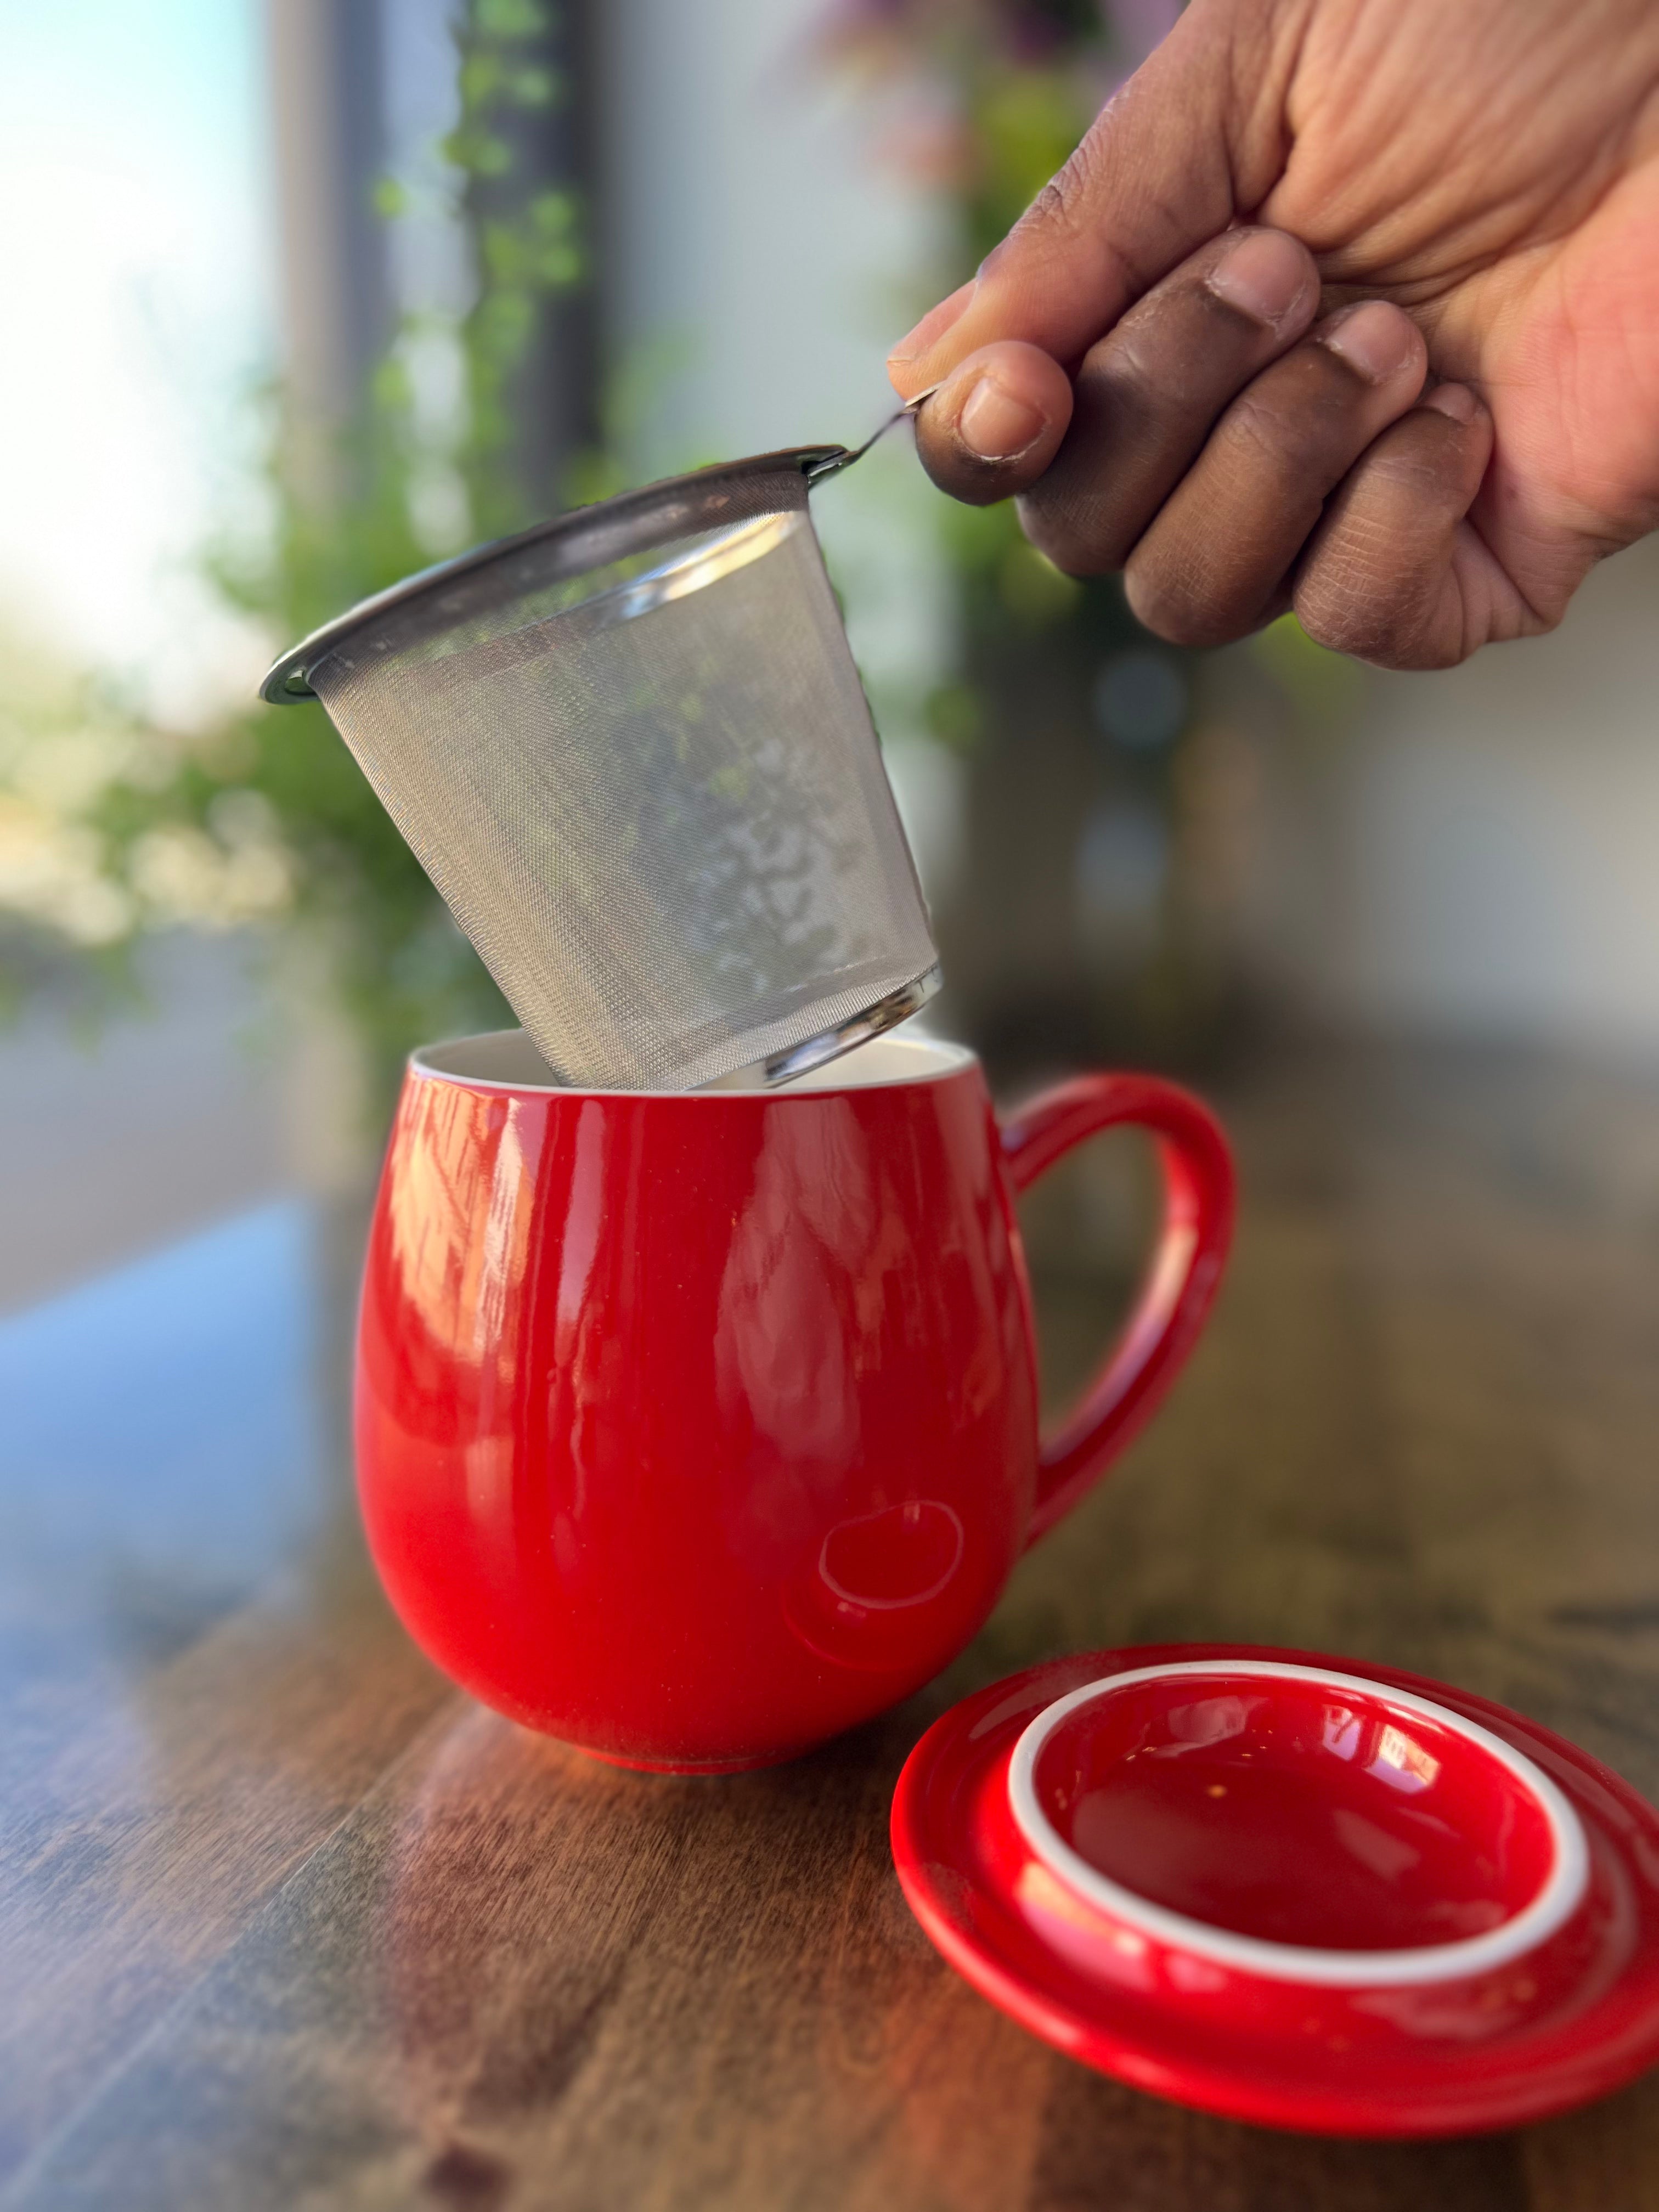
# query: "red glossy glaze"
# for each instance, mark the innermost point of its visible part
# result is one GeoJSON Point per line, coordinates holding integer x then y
{"type": "Point", "coordinates": [1564, 2021]}
{"type": "Point", "coordinates": [1278, 1811]}
{"type": "Point", "coordinates": [693, 1429]}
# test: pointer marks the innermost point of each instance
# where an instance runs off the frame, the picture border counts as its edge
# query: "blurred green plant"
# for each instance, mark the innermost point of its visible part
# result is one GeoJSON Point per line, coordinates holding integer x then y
{"type": "Point", "coordinates": [110, 827]}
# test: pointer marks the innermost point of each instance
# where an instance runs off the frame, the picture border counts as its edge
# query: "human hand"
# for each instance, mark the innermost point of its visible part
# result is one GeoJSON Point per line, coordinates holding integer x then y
{"type": "Point", "coordinates": [1236, 416]}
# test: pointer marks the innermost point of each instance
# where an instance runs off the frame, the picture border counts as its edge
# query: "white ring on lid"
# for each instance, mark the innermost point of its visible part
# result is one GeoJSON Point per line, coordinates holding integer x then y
{"type": "Point", "coordinates": [1557, 1898]}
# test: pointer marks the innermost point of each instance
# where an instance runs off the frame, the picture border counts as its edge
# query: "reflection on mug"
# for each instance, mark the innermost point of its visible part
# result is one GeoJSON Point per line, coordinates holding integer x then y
{"type": "Point", "coordinates": [870, 1599]}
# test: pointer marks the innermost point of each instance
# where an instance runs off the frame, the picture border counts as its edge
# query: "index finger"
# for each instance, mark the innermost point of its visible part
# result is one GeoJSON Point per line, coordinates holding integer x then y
{"type": "Point", "coordinates": [1191, 142]}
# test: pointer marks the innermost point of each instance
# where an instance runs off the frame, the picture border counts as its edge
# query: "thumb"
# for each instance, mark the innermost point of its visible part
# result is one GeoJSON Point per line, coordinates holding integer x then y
{"type": "Point", "coordinates": [1193, 140]}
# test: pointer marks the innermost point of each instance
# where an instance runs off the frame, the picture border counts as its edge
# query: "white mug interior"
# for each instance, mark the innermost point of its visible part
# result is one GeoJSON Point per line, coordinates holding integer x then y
{"type": "Point", "coordinates": [506, 1059]}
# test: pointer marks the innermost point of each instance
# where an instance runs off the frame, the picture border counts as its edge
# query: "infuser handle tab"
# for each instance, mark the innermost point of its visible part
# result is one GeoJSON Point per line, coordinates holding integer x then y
{"type": "Point", "coordinates": [842, 457]}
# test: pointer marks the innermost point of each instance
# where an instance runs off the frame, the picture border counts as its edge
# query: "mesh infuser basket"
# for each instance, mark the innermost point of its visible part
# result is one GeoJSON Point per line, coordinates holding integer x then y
{"type": "Point", "coordinates": [631, 750]}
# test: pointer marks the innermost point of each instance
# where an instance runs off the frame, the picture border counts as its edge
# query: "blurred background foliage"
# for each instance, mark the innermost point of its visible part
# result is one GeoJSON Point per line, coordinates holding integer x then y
{"type": "Point", "coordinates": [111, 827]}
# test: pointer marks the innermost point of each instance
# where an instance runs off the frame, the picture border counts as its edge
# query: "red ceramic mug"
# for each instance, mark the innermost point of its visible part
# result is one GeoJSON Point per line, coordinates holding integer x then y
{"type": "Point", "coordinates": [694, 1428]}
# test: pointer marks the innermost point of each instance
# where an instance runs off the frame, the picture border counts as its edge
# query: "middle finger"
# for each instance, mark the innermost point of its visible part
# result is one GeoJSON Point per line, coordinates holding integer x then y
{"type": "Point", "coordinates": [1148, 392]}
{"type": "Point", "coordinates": [1212, 567]}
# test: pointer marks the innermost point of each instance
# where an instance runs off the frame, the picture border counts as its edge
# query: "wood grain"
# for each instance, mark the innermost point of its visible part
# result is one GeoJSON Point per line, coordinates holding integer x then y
{"type": "Point", "coordinates": [298, 1928]}
{"type": "Point", "coordinates": [151, 1835]}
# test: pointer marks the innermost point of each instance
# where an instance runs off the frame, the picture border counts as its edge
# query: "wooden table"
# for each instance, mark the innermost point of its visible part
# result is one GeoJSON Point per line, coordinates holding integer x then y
{"type": "Point", "coordinates": [288, 1923]}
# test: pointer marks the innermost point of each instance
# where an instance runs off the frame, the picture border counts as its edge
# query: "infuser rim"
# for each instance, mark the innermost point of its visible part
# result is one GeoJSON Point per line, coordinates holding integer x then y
{"type": "Point", "coordinates": [778, 1069]}
{"type": "Point", "coordinates": [630, 522]}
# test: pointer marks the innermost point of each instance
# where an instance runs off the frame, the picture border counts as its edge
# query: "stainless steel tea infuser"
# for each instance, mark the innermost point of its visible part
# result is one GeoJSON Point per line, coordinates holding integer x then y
{"type": "Point", "coordinates": [631, 748]}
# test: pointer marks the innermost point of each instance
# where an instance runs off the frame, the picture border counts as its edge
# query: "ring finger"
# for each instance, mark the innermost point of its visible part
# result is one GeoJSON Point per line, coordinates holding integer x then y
{"type": "Point", "coordinates": [1214, 563]}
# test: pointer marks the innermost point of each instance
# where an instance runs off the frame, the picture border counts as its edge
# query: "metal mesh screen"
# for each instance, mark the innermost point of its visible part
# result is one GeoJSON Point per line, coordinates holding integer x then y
{"type": "Point", "coordinates": [651, 794]}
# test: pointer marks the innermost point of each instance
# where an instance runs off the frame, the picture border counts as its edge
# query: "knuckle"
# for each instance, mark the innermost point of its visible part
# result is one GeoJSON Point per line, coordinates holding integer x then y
{"type": "Point", "coordinates": [1069, 531]}
{"type": "Point", "coordinates": [1062, 205]}
{"type": "Point", "coordinates": [1343, 605]}
{"type": "Point", "coordinates": [1411, 469]}
{"type": "Point", "coordinates": [1290, 438]}
{"type": "Point", "coordinates": [1066, 214]}
{"type": "Point", "coordinates": [1054, 207]}
{"type": "Point", "coordinates": [1148, 374]}
{"type": "Point", "coordinates": [1173, 602]}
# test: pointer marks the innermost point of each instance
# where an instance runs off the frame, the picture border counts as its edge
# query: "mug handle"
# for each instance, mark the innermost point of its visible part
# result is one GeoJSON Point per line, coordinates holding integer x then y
{"type": "Point", "coordinates": [1181, 1279]}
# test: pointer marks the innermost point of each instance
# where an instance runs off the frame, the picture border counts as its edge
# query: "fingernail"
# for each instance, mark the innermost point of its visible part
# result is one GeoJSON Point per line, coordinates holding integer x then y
{"type": "Point", "coordinates": [1375, 339]}
{"type": "Point", "coordinates": [1264, 276]}
{"type": "Point", "coordinates": [1456, 400]}
{"type": "Point", "coordinates": [997, 424]}
{"type": "Point", "coordinates": [933, 325]}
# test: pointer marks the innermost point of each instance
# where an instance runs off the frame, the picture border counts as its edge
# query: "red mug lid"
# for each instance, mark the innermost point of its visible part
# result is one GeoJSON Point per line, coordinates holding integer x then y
{"type": "Point", "coordinates": [1302, 1890]}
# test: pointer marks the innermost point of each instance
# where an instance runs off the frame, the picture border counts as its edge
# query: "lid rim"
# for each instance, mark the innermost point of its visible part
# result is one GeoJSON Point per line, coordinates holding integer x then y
{"type": "Point", "coordinates": [1559, 1896]}
{"type": "Point", "coordinates": [1496, 2054]}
